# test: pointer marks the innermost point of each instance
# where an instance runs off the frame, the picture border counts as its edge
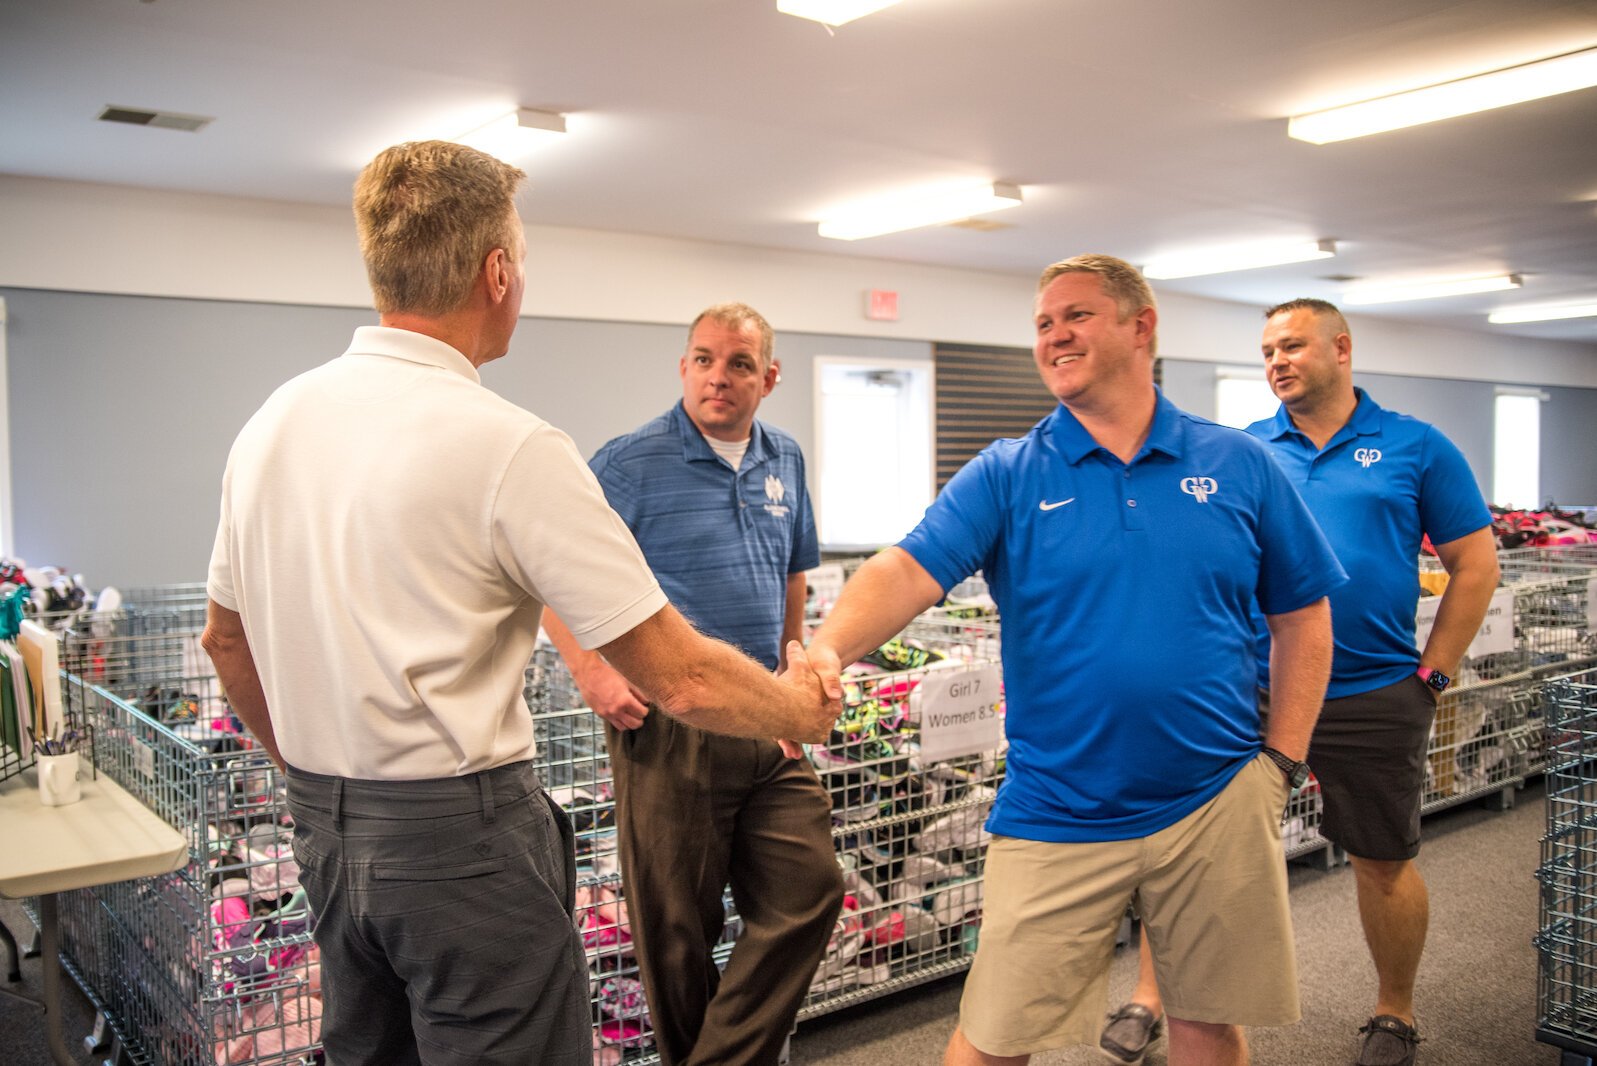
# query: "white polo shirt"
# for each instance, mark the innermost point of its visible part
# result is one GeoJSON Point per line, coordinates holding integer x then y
{"type": "Point", "coordinates": [390, 532]}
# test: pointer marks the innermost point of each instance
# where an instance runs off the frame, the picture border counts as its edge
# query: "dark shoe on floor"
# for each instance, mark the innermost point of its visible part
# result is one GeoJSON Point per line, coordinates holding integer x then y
{"type": "Point", "coordinates": [1388, 1041]}
{"type": "Point", "coordinates": [1128, 1033]}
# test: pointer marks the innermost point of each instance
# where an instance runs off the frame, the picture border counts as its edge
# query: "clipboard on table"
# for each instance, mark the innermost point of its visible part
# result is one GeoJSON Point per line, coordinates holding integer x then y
{"type": "Point", "coordinates": [41, 652]}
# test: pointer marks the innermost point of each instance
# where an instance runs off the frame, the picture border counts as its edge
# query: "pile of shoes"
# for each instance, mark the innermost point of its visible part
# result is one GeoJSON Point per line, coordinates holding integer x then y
{"type": "Point", "coordinates": [1539, 529]}
{"type": "Point", "coordinates": [56, 598]}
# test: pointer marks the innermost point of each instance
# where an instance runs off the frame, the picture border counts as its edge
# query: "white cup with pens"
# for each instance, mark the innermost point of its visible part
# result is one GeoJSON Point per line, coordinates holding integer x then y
{"type": "Point", "coordinates": [57, 760]}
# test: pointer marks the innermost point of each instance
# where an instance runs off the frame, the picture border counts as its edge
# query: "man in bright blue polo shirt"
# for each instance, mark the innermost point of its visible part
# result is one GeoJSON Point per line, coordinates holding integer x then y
{"type": "Point", "coordinates": [717, 501]}
{"type": "Point", "coordinates": [1377, 481]}
{"type": "Point", "coordinates": [1127, 544]}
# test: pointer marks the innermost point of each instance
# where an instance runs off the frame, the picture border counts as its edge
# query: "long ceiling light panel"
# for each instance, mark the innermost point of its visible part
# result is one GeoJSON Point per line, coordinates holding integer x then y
{"type": "Point", "coordinates": [892, 214]}
{"type": "Point", "coordinates": [1510, 315]}
{"type": "Point", "coordinates": [832, 12]}
{"type": "Point", "coordinates": [1224, 259]}
{"type": "Point", "coordinates": [1481, 92]}
{"type": "Point", "coordinates": [1429, 289]}
{"type": "Point", "coordinates": [513, 135]}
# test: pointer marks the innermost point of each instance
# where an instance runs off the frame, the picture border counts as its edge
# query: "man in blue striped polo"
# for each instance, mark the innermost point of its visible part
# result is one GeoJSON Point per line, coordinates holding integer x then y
{"type": "Point", "coordinates": [718, 503]}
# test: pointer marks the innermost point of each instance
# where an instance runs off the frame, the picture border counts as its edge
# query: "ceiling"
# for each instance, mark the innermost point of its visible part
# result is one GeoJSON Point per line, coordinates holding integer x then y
{"type": "Point", "coordinates": [1136, 128]}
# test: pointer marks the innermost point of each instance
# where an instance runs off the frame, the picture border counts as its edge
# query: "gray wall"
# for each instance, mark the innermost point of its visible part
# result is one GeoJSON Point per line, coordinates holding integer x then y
{"type": "Point", "coordinates": [122, 408]}
{"type": "Point", "coordinates": [1569, 446]}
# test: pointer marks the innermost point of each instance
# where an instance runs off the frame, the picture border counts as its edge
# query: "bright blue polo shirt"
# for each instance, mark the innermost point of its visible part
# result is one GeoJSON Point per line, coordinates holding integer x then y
{"type": "Point", "coordinates": [721, 542]}
{"type": "Point", "coordinates": [1127, 594]}
{"type": "Point", "coordinates": [1377, 486]}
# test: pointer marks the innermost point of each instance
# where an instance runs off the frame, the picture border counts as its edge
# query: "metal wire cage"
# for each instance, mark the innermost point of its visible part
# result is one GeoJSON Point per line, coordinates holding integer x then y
{"type": "Point", "coordinates": [908, 834]}
{"type": "Point", "coordinates": [212, 964]}
{"type": "Point", "coordinates": [1567, 940]}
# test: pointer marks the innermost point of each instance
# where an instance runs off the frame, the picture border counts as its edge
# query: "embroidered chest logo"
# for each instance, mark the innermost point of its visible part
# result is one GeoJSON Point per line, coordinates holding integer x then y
{"type": "Point", "coordinates": [775, 492]}
{"type": "Point", "coordinates": [1200, 488]}
{"type": "Point", "coordinates": [1366, 457]}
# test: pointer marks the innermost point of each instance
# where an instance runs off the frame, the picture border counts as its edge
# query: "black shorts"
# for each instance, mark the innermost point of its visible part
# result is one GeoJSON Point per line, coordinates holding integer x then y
{"type": "Point", "coordinates": [1368, 754]}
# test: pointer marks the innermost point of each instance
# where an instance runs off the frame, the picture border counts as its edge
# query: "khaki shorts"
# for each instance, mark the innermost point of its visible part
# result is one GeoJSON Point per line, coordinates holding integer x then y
{"type": "Point", "coordinates": [1212, 892]}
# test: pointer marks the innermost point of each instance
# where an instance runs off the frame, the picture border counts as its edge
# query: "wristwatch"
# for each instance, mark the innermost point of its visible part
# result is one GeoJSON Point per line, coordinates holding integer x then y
{"type": "Point", "coordinates": [1297, 773]}
{"type": "Point", "coordinates": [1434, 678]}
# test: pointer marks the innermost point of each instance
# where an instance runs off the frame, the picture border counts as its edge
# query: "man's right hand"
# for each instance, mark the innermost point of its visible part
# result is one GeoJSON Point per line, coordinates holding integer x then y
{"type": "Point", "coordinates": [612, 697]}
{"type": "Point", "coordinates": [824, 695]}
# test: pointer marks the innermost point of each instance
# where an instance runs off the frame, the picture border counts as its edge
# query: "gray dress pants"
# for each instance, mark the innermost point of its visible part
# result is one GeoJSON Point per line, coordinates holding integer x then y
{"type": "Point", "coordinates": [444, 918]}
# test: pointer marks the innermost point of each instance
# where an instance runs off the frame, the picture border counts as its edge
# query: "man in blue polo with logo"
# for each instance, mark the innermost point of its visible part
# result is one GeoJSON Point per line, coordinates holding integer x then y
{"type": "Point", "coordinates": [1377, 481]}
{"type": "Point", "coordinates": [717, 501]}
{"type": "Point", "coordinates": [1127, 545]}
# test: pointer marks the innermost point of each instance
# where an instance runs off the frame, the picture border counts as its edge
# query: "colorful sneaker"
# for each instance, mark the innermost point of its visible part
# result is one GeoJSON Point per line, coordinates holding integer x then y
{"type": "Point", "coordinates": [1388, 1041]}
{"type": "Point", "coordinates": [901, 653]}
{"type": "Point", "coordinates": [1127, 1034]}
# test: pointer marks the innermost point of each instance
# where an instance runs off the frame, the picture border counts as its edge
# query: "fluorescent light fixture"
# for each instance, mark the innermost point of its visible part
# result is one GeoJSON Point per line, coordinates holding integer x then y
{"type": "Point", "coordinates": [894, 213]}
{"type": "Point", "coordinates": [513, 135]}
{"type": "Point", "coordinates": [1428, 289]}
{"type": "Point", "coordinates": [832, 12]}
{"type": "Point", "coordinates": [1546, 313]}
{"type": "Point", "coordinates": [1223, 259]}
{"type": "Point", "coordinates": [1482, 92]}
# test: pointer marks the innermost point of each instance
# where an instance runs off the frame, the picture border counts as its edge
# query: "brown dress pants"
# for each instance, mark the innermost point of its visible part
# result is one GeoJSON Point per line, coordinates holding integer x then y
{"type": "Point", "coordinates": [694, 813]}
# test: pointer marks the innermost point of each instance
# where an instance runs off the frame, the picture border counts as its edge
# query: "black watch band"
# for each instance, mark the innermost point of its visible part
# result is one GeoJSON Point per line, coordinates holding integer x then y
{"type": "Point", "coordinates": [1297, 773]}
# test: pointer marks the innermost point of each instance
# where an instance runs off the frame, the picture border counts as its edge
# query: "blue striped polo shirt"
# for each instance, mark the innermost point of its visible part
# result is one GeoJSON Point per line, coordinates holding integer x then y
{"type": "Point", "coordinates": [722, 542]}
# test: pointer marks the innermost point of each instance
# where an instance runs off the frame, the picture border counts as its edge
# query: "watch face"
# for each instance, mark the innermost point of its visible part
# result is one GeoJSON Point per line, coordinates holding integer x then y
{"type": "Point", "coordinates": [1300, 776]}
{"type": "Point", "coordinates": [1438, 681]}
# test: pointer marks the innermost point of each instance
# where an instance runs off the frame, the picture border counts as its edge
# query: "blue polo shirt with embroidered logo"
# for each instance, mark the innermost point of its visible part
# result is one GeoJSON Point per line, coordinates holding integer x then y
{"type": "Point", "coordinates": [721, 542]}
{"type": "Point", "coordinates": [1380, 484]}
{"type": "Point", "coordinates": [1127, 593]}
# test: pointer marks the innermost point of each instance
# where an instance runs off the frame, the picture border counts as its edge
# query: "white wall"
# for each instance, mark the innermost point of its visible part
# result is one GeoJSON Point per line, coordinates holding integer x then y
{"type": "Point", "coordinates": [101, 238]}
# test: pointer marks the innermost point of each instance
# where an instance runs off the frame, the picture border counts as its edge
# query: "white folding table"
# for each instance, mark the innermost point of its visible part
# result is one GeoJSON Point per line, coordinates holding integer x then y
{"type": "Point", "coordinates": [106, 836]}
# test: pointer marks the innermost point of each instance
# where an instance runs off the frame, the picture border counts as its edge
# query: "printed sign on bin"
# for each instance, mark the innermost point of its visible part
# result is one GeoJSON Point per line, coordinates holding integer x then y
{"type": "Point", "coordinates": [959, 712]}
{"type": "Point", "coordinates": [1495, 634]}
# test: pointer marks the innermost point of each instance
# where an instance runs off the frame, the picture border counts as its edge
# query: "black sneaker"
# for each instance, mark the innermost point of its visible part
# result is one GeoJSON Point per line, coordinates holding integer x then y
{"type": "Point", "coordinates": [1127, 1034]}
{"type": "Point", "coordinates": [1388, 1041]}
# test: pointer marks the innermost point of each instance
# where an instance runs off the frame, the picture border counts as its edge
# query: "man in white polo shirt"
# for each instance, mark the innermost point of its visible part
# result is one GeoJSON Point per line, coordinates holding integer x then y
{"type": "Point", "coordinates": [390, 531]}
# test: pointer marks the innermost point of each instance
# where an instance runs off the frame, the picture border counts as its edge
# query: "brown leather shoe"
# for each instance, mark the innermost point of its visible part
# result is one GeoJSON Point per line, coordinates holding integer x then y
{"type": "Point", "coordinates": [1388, 1041]}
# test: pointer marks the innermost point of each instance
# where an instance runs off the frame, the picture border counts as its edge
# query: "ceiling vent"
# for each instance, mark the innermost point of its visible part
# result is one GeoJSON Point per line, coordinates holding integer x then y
{"type": "Point", "coordinates": [166, 120]}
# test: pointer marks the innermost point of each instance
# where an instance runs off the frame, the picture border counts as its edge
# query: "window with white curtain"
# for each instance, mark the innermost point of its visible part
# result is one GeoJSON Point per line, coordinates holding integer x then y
{"type": "Point", "coordinates": [1517, 448]}
{"type": "Point", "coordinates": [873, 449]}
{"type": "Point", "coordinates": [1242, 396]}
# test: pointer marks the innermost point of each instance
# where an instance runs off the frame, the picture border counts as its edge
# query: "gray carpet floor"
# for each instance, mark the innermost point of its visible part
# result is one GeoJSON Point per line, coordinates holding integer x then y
{"type": "Point", "coordinates": [1477, 987]}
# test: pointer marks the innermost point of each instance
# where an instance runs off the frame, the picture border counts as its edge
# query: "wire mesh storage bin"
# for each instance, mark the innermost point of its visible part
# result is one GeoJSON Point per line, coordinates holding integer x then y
{"type": "Point", "coordinates": [908, 834]}
{"type": "Point", "coordinates": [185, 976]}
{"type": "Point", "coordinates": [212, 964]}
{"type": "Point", "coordinates": [1567, 940]}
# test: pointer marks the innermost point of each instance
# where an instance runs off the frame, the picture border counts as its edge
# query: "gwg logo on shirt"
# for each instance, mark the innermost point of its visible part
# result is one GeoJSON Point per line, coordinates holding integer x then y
{"type": "Point", "coordinates": [775, 491]}
{"type": "Point", "coordinates": [1365, 456]}
{"type": "Point", "coordinates": [1200, 488]}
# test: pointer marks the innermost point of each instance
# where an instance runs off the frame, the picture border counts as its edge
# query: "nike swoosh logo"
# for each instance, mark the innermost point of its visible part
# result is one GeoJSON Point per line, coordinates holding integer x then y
{"type": "Point", "coordinates": [1046, 506]}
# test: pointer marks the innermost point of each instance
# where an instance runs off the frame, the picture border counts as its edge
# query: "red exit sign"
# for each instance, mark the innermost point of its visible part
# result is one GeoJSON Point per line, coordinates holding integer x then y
{"type": "Point", "coordinates": [882, 305]}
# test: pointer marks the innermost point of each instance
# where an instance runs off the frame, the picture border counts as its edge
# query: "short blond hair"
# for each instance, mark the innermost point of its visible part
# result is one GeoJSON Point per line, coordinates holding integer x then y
{"type": "Point", "coordinates": [428, 214]}
{"type": "Point", "coordinates": [1122, 283]}
{"type": "Point", "coordinates": [735, 315]}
